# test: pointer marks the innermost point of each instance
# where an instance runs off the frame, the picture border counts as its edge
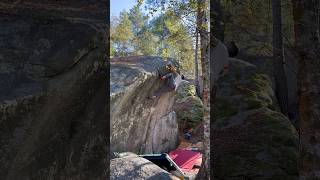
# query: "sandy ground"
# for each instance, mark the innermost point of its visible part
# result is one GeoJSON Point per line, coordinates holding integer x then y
{"type": "Point", "coordinates": [194, 142]}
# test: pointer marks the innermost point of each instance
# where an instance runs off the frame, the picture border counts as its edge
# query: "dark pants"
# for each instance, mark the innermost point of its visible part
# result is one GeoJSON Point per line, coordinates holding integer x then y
{"type": "Point", "coordinates": [169, 85]}
{"type": "Point", "coordinates": [170, 81]}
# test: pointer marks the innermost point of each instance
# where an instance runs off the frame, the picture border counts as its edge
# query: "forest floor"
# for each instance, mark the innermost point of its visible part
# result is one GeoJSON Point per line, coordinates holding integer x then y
{"type": "Point", "coordinates": [196, 141]}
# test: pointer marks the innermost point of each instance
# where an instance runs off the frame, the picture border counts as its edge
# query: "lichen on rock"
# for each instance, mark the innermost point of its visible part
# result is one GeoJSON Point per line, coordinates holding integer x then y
{"type": "Point", "coordinates": [148, 124]}
{"type": "Point", "coordinates": [251, 138]}
{"type": "Point", "coordinates": [131, 166]}
{"type": "Point", "coordinates": [52, 111]}
{"type": "Point", "coordinates": [188, 106]}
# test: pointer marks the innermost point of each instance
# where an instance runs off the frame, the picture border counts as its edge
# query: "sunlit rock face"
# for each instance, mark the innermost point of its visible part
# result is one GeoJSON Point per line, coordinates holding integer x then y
{"type": "Point", "coordinates": [131, 166]}
{"type": "Point", "coordinates": [140, 124]}
{"type": "Point", "coordinates": [53, 118]}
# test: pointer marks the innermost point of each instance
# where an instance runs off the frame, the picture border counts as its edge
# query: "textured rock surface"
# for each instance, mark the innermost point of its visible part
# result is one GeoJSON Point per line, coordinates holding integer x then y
{"type": "Point", "coordinates": [134, 167]}
{"type": "Point", "coordinates": [52, 106]}
{"type": "Point", "coordinates": [221, 56]}
{"type": "Point", "coordinates": [306, 27]}
{"type": "Point", "coordinates": [139, 124]}
{"type": "Point", "coordinates": [265, 65]}
{"type": "Point", "coordinates": [187, 105]}
{"type": "Point", "coordinates": [251, 139]}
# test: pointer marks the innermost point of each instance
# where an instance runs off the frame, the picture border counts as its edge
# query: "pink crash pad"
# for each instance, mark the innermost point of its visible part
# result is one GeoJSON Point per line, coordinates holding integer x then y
{"type": "Point", "coordinates": [185, 159]}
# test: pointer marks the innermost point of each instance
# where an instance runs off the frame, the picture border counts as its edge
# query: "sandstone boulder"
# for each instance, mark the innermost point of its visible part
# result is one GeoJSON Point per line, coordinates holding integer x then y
{"type": "Point", "coordinates": [252, 140]}
{"type": "Point", "coordinates": [188, 106]}
{"type": "Point", "coordinates": [53, 118]}
{"type": "Point", "coordinates": [137, 168]}
{"type": "Point", "coordinates": [220, 58]}
{"type": "Point", "coordinates": [140, 124]}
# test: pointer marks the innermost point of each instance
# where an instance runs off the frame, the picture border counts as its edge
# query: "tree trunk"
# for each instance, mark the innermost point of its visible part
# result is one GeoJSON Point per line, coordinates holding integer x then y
{"type": "Point", "coordinates": [218, 28]}
{"type": "Point", "coordinates": [281, 89]}
{"type": "Point", "coordinates": [213, 43]}
{"type": "Point", "coordinates": [306, 26]}
{"type": "Point", "coordinates": [204, 54]}
{"type": "Point", "coordinates": [196, 69]}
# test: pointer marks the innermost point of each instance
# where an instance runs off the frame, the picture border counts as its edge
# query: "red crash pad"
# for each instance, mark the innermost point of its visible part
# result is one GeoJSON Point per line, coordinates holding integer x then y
{"type": "Point", "coordinates": [185, 159]}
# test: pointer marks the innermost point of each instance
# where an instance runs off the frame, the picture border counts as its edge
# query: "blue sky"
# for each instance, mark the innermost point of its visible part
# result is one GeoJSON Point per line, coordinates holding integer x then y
{"type": "Point", "coordinates": [116, 6]}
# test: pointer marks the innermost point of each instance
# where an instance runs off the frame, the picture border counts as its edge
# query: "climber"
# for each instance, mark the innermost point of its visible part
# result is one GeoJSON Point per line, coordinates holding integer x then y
{"type": "Point", "coordinates": [187, 134]}
{"type": "Point", "coordinates": [172, 77]}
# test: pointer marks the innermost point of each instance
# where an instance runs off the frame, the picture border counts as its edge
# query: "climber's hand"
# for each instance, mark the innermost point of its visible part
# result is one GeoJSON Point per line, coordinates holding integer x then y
{"type": "Point", "coordinates": [162, 77]}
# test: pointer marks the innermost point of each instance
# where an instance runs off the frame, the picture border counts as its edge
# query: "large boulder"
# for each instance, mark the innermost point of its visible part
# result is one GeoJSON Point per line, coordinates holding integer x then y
{"type": "Point", "coordinates": [188, 107]}
{"type": "Point", "coordinates": [53, 118]}
{"type": "Point", "coordinates": [134, 167]}
{"type": "Point", "coordinates": [265, 65]}
{"type": "Point", "coordinates": [149, 125]}
{"type": "Point", "coordinates": [220, 58]}
{"type": "Point", "coordinates": [251, 138]}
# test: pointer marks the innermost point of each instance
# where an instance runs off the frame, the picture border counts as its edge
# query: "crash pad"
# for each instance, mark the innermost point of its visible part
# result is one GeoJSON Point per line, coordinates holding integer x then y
{"type": "Point", "coordinates": [185, 159]}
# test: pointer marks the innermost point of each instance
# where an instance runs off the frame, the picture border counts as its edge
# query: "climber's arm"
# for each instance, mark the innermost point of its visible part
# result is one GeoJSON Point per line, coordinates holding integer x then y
{"type": "Point", "coordinates": [170, 73]}
{"type": "Point", "coordinates": [167, 76]}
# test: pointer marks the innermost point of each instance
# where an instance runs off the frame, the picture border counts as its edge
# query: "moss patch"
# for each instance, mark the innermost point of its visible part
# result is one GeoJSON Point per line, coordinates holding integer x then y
{"type": "Point", "coordinates": [188, 107]}
{"type": "Point", "coordinates": [225, 108]}
{"type": "Point", "coordinates": [189, 111]}
{"type": "Point", "coordinates": [251, 140]}
{"type": "Point", "coordinates": [185, 90]}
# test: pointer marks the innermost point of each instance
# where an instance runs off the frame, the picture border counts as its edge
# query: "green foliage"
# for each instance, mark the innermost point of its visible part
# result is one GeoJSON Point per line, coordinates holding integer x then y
{"type": "Point", "coordinates": [166, 36]}
{"type": "Point", "coordinates": [139, 2]}
{"type": "Point", "coordinates": [137, 19]}
{"type": "Point", "coordinates": [144, 42]}
{"type": "Point", "coordinates": [174, 39]}
{"type": "Point", "coordinates": [112, 51]}
{"type": "Point", "coordinates": [122, 35]}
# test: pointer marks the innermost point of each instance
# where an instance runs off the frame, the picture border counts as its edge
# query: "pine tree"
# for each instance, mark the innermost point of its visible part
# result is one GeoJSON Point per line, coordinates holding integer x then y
{"type": "Point", "coordinates": [122, 35]}
{"type": "Point", "coordinates": [205, 64]}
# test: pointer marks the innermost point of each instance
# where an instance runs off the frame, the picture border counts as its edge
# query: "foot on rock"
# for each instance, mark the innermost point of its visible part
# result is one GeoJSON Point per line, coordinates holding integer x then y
{"type": "Point", "coordinates": [152, 97]}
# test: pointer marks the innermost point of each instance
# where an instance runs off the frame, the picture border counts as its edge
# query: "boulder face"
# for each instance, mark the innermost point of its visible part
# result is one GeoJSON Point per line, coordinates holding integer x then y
{"type": "Point", "coordinates": [140, 124]}
{"type": "Point", "coordinates": [221, 56]}
{"type": "Point", "coordinates": [132, 166]}
{"type": "Point", "coordinates": [251, 138]}
{"type": "Point", "coordinates": [52, 106]}
{"type": "Point", "coordinates": [188, 106]}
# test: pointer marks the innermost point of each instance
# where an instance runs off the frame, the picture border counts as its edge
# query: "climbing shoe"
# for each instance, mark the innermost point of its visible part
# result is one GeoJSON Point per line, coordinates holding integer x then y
{"type": "Point", "coordinates": [152, 97]}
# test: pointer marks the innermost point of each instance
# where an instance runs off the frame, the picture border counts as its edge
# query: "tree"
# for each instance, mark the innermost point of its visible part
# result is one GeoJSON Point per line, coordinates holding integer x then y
{"type": "Point", "coordinates": [143, 42]}
{"type": "Point", "coordinates": [196, 69]}
{"type": "Point", "coordinates": [281, 89]}
{"type": "Point", "coordinates": [122, 35]}
{"type": "Point", "coordinates": [205, 64]}
{"type": "Point", "coordinates": [307, 45]}
{"type": "Point", "coordinates": [113, 24]}
{"type": "Point", "coordinates": [186, 12]}
{"type": "Point", "coordinates": [138, 19]}
{"type": "Point", "coordinates": [173, 39]}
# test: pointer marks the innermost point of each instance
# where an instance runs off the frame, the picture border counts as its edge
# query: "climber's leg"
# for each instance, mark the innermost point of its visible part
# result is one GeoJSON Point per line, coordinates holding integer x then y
{"type": "Point", "coordinates": [159, 92]}
{"type": "Point", "coordinates": [171, 84]}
